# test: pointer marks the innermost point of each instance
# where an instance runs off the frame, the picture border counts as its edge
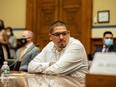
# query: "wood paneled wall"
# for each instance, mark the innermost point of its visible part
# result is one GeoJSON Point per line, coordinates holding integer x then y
{"type": "Point", "coordinates": [77, 14]}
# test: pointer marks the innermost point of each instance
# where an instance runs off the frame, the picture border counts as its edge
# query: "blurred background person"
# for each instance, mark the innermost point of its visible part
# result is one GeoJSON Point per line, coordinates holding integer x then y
{"type": "Point", "coordinates": [1, 56]}
{"type": "Point", "coordinates": [26, 53]}
{"type": "Point", "coordinates": [4, 40]}
{"type": "Point", "coordinates": [12, 41]}
{"type": "Point", "coordinates": [108, 43]}
{"type": "Point", "coordinates": [107, 46]}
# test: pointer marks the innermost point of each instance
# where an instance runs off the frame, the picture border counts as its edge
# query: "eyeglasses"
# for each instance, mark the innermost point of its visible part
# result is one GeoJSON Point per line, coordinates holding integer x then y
{"type": "Point", "coordinates": [59, 33]}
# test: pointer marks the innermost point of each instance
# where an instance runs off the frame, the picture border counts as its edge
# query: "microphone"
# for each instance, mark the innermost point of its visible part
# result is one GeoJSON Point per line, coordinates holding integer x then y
{"type": "Point", "coordinates": [12, 61]}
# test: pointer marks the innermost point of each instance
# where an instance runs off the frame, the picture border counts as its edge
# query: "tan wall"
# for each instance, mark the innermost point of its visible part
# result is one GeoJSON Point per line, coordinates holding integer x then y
{"type": "Point", "coordinates": [99, 5]}
{"type": "Point", "coordinates": [13, 13]}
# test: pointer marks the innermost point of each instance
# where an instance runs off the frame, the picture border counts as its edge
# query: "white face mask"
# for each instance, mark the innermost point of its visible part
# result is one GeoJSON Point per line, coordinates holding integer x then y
{"type": "Point", "coordinates": [108, 42]}
{"type": "Point", "coordinates": [8, 33]}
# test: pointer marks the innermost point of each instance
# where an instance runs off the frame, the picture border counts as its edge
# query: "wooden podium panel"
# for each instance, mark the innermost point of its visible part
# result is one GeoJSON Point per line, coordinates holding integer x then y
{"type": "Point", "coordinates": [94, 80]}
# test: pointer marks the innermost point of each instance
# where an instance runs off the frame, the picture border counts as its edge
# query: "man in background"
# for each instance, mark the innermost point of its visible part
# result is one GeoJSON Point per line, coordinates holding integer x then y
{"type": "Point", "coordinates": [64, 55]}
{"type": "Point", "coordinates": [26, 53]}
{"type": "Point", "coordinates": [108, 43]}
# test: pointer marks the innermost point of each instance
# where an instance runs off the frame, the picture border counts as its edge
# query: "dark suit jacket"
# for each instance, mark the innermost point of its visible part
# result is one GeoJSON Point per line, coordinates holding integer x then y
{"type": "Point", "coordinates": [111, 49]}
{"type": "Point", "coordinates": [1, 56]}
{"type": "Point", "coordinates": [27, 57]}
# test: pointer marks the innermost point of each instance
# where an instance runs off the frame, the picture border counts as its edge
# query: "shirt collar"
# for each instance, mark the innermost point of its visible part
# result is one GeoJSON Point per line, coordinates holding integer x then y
{"type": "Point", "coordinates": [55, 51]}
{"type": "Point", "coordinates": [29, 45]}
{"type": "Point", "coordinates": [104, 46]}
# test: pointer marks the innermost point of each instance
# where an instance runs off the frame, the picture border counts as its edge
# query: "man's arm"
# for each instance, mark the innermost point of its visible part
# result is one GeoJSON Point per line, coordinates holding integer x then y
{"type": "Point", "coordinates": [39, 64]}
{"type": "Point", "coordinates": [72, 60]}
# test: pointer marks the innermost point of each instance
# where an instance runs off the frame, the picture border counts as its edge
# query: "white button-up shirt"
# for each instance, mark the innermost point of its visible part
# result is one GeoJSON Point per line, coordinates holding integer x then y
{"type": "Point", "coordinates": [72, 60]}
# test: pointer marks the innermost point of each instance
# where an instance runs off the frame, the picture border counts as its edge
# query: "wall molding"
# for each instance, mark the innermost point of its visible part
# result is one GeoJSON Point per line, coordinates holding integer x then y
{"type": "Point", "coordinates": [19, 29]}
{"type": "Point", "coordinates": [104, 26]}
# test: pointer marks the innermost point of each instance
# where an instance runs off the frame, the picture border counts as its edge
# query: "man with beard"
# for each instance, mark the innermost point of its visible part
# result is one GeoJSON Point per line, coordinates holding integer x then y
{"type": "Point", "coordinates": [64, 55]}
{"type": "Point", "coordinates": [26, 53]}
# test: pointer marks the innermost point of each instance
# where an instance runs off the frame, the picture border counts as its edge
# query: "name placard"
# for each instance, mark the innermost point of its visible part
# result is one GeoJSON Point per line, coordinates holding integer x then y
{"type": "Point", "coordinates": [104, 63]}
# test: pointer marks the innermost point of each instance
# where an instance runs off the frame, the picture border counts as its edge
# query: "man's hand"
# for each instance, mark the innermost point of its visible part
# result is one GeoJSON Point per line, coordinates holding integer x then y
{"type": "Point", "coordinates": [51, 63]}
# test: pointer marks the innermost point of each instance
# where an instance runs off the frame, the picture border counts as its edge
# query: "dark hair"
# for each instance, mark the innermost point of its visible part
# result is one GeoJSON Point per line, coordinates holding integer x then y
{"type": "Point", "coordinates": [107, 32]}
{"type": "Point", "coordinates": [1, 24]}
{"type": "Point", "coordinates": [56, 24]}
{"type": "Point", "coordinates": [10, 30]}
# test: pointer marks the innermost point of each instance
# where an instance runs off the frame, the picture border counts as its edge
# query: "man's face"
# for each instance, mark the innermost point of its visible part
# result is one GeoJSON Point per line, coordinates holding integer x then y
{"type": "Point", "coordinates": [60, 37]}
{"type": "Point", "coordinates": [108, 36]}
{"type": "Point", "coordinates": [108, 39]}
{"type": "Point", "coordinates": [26, 36]}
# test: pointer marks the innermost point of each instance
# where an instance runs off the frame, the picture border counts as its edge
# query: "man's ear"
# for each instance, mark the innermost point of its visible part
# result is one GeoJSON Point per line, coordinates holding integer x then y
{"type": "Point", "coordinates": [103, 39]}
{"type": "Point", "coordinates": [69, 33]}
{"type": "Point", "coordinates": [29, 39]}
{"type": "Point", "coordinates": [50, 36]}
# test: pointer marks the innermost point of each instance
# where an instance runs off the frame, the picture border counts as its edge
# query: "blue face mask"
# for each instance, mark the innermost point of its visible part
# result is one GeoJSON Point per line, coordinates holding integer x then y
{"type": "Point", "coordinates": [108, 42]}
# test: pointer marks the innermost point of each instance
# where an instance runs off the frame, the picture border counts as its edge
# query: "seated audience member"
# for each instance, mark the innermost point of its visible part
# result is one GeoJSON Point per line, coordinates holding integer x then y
{"type": "Point", "coordinates": [108, 45]}
{"type": "Point", "coordinates": [4, 41]}
{"type": "Point", "coordinates": [1, 56]}
{"type": "Point", "coordinates": [64, 55]}
{"type": "Point", "coordinates": [12, 41]}
{"type": "Point", "coordinates": [26, 53]}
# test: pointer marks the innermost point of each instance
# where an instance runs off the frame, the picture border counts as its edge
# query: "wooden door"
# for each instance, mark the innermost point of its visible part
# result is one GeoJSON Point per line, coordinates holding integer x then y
{"type": "Point", "coordinates": [76, 13]}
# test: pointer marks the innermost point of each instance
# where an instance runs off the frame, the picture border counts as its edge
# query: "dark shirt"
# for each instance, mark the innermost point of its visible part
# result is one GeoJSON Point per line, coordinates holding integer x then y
{"type": "Point", "coordinates": [110, 49]}
{"type": "Point", "coordinates": [17, 66]}
{"type": "Point", "coordinates": [1, 56]}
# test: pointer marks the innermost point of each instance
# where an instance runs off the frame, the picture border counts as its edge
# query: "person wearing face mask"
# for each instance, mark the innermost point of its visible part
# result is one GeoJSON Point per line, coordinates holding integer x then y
{"type": "Point", "coordinates": [26, 53]}
{"type": "Point", "coordinates": [108, 45]}
{"type": "Point", "coordinates": [4, 40]}
{"type": "Point", "coordinates": [12, 41]}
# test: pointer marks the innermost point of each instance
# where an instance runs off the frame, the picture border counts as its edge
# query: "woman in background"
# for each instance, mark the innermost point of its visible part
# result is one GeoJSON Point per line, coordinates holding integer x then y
{"type": "Point", "coordinates": [12, 41]}
{"type": "Point", "coordinates": [4, 40]}
{"type": "Point", "coordinates": [1, 56]}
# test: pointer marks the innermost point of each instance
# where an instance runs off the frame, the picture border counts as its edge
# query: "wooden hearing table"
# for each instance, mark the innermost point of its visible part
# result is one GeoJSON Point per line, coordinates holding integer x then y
{"type": "Point", "coordinates": [23, 79]}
